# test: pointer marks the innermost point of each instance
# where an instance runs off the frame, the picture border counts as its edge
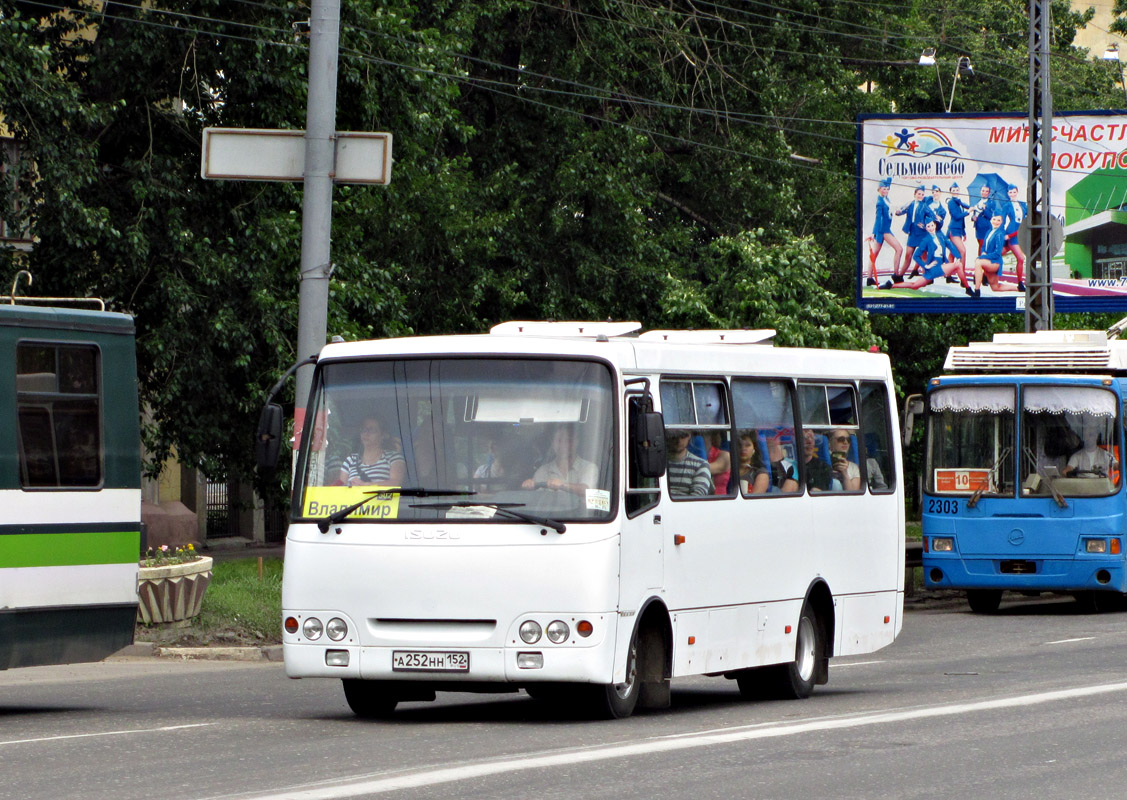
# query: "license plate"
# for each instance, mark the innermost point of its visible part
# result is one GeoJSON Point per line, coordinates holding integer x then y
{"type": "Point", "coordinates": [430, 661]}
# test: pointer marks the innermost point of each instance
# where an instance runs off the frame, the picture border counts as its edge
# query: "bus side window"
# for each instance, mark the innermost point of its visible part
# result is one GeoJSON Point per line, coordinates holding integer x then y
{"type": "Point", "coordinates": [59, 414]}
{"type": "Point", "coordinates": [767, 454]}
{"type": "Point", "coordinates": [876, 424]}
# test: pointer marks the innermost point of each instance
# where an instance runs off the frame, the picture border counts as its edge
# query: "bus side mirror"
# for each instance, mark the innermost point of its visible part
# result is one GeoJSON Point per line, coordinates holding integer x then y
{"type": "Point", "coordinates": [268, 439]}
{"type": "Point", "coordinates": [913, 407]}
{"type": "Point", "coordinates": [649, 445]}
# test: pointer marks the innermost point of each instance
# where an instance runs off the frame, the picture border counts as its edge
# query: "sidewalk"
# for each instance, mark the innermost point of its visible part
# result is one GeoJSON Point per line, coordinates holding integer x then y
{"type": "Point", "coordinates": [235, 547]}
{"type": "Point", "coordinates": [269, 652]}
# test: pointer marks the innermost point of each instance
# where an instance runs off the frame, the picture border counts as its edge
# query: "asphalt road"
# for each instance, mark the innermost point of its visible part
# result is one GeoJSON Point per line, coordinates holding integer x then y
{"type": "Point", "coordinates": [1028, 703]}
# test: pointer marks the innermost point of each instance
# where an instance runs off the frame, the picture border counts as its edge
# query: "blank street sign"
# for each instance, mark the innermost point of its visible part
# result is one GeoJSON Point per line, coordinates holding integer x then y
{"type": "Point", "coordinates": [255, 154]}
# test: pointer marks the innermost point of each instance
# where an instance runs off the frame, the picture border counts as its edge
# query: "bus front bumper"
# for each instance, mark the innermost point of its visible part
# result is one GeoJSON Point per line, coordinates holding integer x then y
{"type": "Point", "coordinates": [486, 665]}
{"type": "Point", "coordinates": [1053, 574]}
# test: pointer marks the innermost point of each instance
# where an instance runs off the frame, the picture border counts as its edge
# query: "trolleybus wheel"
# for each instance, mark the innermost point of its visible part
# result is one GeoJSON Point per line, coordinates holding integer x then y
{"type": "Point", "coordinates": [369, 699]}
{"type": "Point", "coordinates": [984, 601]}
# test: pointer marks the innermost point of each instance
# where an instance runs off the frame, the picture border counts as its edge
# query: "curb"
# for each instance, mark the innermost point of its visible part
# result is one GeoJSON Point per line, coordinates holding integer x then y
{"type": "Point", "coordinates": [152, 649]}
{"type": "Point", "coordinates": [267, 653]}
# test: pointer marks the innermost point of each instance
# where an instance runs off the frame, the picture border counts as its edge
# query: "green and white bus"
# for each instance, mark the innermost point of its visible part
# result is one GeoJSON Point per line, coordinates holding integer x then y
{"type": "Point", "coordinates": [70, 485]}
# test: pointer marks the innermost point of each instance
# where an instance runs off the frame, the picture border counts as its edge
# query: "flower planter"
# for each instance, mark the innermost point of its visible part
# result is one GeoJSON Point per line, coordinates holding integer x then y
{"type": "Point", "coordinates": [173, 593]}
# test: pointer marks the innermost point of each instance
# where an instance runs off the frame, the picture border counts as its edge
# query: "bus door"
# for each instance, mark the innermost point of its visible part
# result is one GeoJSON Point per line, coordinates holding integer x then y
{"type": "Point", "coordinates": [643, 537]}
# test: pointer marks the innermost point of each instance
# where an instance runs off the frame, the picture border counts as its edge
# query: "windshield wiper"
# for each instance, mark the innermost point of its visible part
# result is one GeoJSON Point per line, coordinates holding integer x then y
{"type": "Point", "coordinates": [413, 491]}
{"type": "Point", "coordinates": [974, 498]}
{"type": "Point", "coordinates": [503, 508]}
{"type": "Point", "coordinates": [1044, 476]}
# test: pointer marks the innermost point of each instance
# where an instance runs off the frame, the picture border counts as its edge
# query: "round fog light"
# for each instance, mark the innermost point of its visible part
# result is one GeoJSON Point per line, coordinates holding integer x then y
{"type": "Point", "coordinates": [558, 631]}
{"type": "Point", "coordinates": [312, 628]}
{"type": "Point", "coordinates": [337, 629]}
{"type": "Point", "coordinates": [530, 632]}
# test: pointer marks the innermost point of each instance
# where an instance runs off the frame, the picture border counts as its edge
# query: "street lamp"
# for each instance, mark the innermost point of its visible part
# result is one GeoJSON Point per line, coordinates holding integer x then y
{"type": "Point", "coordinates": [1112, 54]}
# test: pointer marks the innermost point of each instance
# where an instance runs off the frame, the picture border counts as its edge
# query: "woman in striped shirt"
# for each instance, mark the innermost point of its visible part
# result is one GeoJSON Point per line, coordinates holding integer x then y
{"type": "Point", "coordinates": [375, 464]}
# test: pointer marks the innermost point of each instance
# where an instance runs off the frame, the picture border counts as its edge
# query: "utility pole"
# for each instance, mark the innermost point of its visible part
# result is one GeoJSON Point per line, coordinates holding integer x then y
{"type": "Point", "coordinates": [317, 200]}
{"type": "Point", "coordinates": [1039, 280]}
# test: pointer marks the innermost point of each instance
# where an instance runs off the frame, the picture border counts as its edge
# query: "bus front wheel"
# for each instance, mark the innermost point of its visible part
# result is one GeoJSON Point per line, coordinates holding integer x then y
{"type": "Point", "coordinates": [369, 699]}
{"type": "Point", "coordinates": [618, 700]}
{"type": "Point", "coordinates": [984, 601]}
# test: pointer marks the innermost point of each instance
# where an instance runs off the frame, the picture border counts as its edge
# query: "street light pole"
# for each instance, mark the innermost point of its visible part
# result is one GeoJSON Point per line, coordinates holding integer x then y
{"type": "Point", "coordinates": [1039, 284]}
{"type": "Point", "coordinates": [317, 198]}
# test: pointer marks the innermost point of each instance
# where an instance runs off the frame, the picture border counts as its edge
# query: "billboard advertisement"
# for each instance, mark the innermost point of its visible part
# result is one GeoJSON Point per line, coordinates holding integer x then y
{"type": "Point", "coordinates": [943, 198]}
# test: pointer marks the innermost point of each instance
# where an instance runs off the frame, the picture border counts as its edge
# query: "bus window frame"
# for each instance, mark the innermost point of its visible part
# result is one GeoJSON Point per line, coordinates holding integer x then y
{"type": "Point", "coordinates": [698, 428]}
{"type": "Point", "coordinates": [818, 428]}
{"type": "Point", "coordinates": [100, 411]}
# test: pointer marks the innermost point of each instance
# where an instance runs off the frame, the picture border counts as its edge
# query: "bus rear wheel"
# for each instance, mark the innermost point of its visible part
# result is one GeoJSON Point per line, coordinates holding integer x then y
{"type": "Point", "coordinates": [984, 601]}
{"type": "Point", "coordinates": [369, 699]}
{"type": "Point", "coordinates": [793, 681]}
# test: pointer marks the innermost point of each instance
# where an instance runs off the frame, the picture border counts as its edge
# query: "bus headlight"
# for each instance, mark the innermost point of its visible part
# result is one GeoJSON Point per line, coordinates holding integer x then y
{"type": "Point", "coordinates": [337, 629]}
{"type": "Point", "coordinates": [558, 631]}
{"type": "Point", "coordinates": [942, 544]}
{"type": "Point", "coordinates": [530, 632]}
{"type": "Point", "coordinates": [312, 628]}
{"type": "Point", "coordinates": [1095, 545]}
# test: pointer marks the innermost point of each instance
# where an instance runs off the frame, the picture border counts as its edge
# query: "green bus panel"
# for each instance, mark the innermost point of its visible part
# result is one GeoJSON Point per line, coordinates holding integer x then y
{"type": "Point", "coordinates": [69, 549]}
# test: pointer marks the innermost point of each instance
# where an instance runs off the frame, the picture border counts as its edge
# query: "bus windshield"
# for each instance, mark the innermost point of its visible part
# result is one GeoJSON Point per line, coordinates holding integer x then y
{"type": "Point", "coordinates": [971, 440]}
{"type": "Point", "coordinates": [531, 435]}
{"type": "Point", "coordinates": [1069, 441]}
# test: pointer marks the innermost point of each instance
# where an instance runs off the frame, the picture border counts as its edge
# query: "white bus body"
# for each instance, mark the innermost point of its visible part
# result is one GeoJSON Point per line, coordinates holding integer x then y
{"type": "Point", "coordinates": [411, 593]}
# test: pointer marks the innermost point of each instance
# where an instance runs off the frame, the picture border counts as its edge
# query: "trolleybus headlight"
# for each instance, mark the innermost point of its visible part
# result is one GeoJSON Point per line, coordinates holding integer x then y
{"type": "Point", "coordinates": [530, 632]}
{"type": "Point", "coordinates": [337, 629]}
{"type": "Point", "coordinates": [584, 628]}
{"type": "Point", "coordinates": [942, 544]}
{"type": "Point", "coordinates": [312, 628]}
{"type": "Point", "coordinates": [1095, 545]}
{"type": "Point", "coordinates": [558, 631]}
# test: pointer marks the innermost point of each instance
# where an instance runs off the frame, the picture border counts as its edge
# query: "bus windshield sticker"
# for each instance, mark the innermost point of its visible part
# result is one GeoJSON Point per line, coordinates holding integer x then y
{"type": "Point", "coordinates": [962, 481]}
{"type": "Point", "coordinates": [598, 500]}
{"type": "Point", "coordinates": [323, 501]}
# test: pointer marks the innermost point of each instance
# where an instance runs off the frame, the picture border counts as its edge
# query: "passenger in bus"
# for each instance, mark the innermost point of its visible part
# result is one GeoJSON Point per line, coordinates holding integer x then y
{"type": "Point", "coordinates": [845, 471]}
{"type": "Point", "coordinates": [719, 462]}
{"type": "Point", "coordinates": [784, 472]}
{"type": "Point", "coordinates": [376, 462]}
{"type": "Point", "coordinates": [819, 476]}
{"type": "Point", "coordinates": [564, 470]}
{"type": "Point", "coordinates": [754, 478]}
{"type": "Point", "coordinates": [1091, 459]}
{"type": "Point", "coordinates": [687, 474]}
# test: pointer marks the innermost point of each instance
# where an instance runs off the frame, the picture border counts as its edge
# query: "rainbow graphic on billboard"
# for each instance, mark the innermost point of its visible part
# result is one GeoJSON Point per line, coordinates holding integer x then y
{"type": "Point", "coordinates": [919, 143]}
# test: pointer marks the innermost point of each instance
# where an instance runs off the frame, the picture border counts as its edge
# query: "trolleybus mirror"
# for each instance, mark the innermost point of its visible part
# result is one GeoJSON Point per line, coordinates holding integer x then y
{"type": "Point", "coordinates": [913, 407]}
{"type": "Point", "coordinates": [268, 439]}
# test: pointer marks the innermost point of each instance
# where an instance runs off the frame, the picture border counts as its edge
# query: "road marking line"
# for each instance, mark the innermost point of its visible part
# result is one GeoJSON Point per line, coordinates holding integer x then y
{"type": "Point", "coordinates": [838, 666]}
{"type": "Point", "coordinates": [1068, 641]}
{"type": "Point", "coordinates": [107, 733]}
{"type": "Point", "coordinates": [414, 780]}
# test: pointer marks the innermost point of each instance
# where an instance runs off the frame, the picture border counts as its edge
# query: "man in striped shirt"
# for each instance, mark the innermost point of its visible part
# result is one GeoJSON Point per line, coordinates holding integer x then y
{"type": "Point", "coordinates": [687, 474]}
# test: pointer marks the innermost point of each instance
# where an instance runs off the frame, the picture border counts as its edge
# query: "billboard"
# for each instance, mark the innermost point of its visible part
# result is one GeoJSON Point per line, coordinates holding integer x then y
{"type": "Point", "coordinates": [931, 191]}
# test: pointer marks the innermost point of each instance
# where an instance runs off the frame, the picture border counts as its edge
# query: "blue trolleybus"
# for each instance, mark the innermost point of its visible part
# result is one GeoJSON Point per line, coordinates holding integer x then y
{"type": "Point", "coordinates": [1023, 487]}
{"type": "Point", "coordinates": [70, 488]}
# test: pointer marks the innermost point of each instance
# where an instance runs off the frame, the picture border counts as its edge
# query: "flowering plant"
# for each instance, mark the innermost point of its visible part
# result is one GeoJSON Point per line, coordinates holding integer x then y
{"type": "Point", "coordinates": [164, 555]}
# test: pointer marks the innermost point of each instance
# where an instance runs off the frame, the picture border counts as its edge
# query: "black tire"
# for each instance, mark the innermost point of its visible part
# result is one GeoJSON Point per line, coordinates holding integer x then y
{"type": "Point", "coordinates": [369, 699]}
{"type": "Point", "coordinates": [984, 601]}
{"type": "Point", "coordinates": [618, 700]}
{"type": "Point", "coordinates": [1100, 602]}
{"type": "Point", "coordinates": [796, 680]}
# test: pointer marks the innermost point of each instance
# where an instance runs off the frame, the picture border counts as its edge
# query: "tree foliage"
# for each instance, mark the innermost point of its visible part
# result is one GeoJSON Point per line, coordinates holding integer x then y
{"type": "Point", "coordinates": [681, 164]}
